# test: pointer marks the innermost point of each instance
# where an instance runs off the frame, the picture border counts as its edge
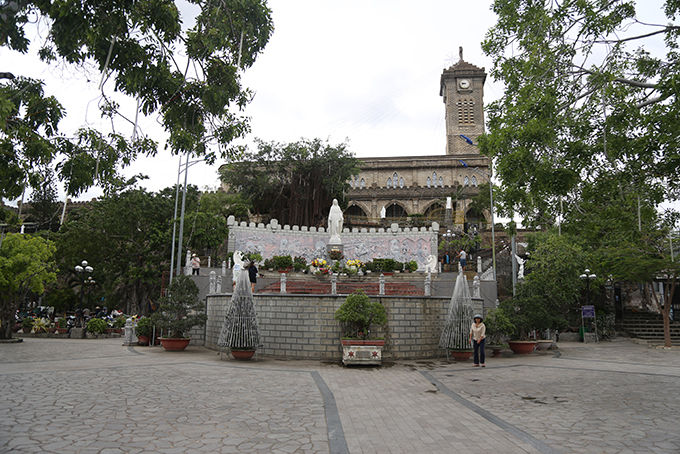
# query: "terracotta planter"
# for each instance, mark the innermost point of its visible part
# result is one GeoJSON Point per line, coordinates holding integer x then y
{"type": "Point", "coordinates": [108, 330]}
{"type": "Point", "coordinates": [544, 344]}
{"type": "Point", "coordinates": [51, 330]}
{"type": "Point", "coordinates": [496, 350]}
{"type": "Point", "coordinates": [62, 330]}
{"type": "Point", "coordinates": [174, 345]}
{"type": "Point", "coordinates": [461, 355]}
{"type": "Point", "coordinates": [117, 330]}
{"type": "Point", "coordinates": [242, 355]}
{"type": "Point", "coordinates": [522, 347]}
{"type": "Point", "coordinates": [143, 340]}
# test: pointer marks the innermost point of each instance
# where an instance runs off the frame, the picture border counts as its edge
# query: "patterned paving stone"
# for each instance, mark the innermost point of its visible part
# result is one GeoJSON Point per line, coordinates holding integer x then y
{"type": "Point", "coordinates": [95, 396]}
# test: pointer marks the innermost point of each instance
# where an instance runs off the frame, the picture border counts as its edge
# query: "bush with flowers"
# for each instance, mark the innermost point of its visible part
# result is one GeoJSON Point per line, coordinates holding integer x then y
{"type": "Point", "coordinates": [353, 266]}
{"type": "Point", "coordinates": [318, 263]}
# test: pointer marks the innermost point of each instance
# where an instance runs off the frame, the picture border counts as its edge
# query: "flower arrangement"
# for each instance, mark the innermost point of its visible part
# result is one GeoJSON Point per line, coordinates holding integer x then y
{"type": "Point", "coordinates": [355, 263]}
{"type": "Point", "coordinates": [323, 271]}
{"type": "Point", "coordinates": [319, 263]}
{"type": "Point", "coordinates": [336, 255]}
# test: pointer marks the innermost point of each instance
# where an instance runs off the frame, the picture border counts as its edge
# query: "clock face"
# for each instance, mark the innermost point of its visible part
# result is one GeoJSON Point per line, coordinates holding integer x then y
{"type": "Point", "coordinates": [464, 83]}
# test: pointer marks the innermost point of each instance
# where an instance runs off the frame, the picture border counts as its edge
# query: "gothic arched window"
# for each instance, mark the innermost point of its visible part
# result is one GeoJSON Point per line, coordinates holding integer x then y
{"type": "Point", "coordinates": [466, 181]}
{"type": "Point", "coordinates": [474, 180]}
{"type": "Point", "coordinates": [429, 182]}
{"type": "Point", "coordinates": [441, 182]}
{"type": "Point", "coordinates": [401, 182]}
{"type": "Point", "coordinates": [363, 183]}
{"type": "Point", "coordinates": [389, 182]}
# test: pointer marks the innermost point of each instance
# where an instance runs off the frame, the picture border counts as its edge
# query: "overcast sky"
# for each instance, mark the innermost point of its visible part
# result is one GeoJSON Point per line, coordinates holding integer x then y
{"type": "Point", "coordinates": [366, 71]}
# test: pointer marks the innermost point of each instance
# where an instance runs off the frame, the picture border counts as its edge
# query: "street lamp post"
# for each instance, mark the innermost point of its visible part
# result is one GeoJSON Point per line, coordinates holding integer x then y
{"type": "Point", "coordinates": [487, 176]}
{"type": "Point", "coordinates": [587, 277]}
{"type": "Point", "coordinates": [89, 282]}
{"type": "Point", "coordinates": [82, 269]}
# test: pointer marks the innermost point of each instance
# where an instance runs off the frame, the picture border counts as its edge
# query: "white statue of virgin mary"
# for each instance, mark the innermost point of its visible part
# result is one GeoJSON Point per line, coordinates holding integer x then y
{"type": "Point", "coordinates": [335, 220]}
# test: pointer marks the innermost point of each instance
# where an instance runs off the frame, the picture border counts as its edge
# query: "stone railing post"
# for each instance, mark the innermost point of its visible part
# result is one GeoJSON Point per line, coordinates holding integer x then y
{"type": "Point", "coordinates": [334, 284]}
{"type": "Point", "coordinates": [224, 268]}
{"type": "Point", "coordinates": [381, 281]}
{"type": "Point", "coordinates": [428, 284]}
{"type": "Point", "coordinates": [218, 284]}
{"type": "Point", "coordinates": [213, 279]}
{"type": "Point", "coordinates": [283, 282]}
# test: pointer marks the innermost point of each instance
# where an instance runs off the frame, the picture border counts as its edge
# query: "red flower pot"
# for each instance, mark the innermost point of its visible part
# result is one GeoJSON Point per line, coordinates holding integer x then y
{"type": "Point", "coordinates": [522, 347]}
{"type": "Point", "coordinates": [143, 340]}
{"type": "Point", "coordinates": [461, 355]}
{"type": "Point", "coordinates": [242, 355]}
{"type": "Point", "coordinates": [174, 345]}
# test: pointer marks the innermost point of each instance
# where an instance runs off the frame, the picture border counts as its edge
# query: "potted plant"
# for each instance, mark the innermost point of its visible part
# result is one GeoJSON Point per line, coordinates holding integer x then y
{"type": "Point", "coordinates": [240, 331]}
{"type": "Point", "coordinates": [62, 327]}
{"type": "Point", "coordinates": [96, 326]}
{"type": "Point", "coordinates": [357, 314]}
{"type": "Point", "coordinates": [27, 324]}
{"type": "Point", "coordinates": [526, 313]}
{"type": "Point", "coordinates": [179, 312]}
{"type": "Point", "coordinates": [119, 324]}
{"type": "Point", "coordinates": [498, 328]}
{"type": "Point", "coordinates": [41, 325]}
{"type": "Point", "coordinates": [412, 266]}
{"type": "Point", "coordinates": [283, 263]}
{"type": "Point", "coordinates": [143, 330]}
{"type": "Point", "coordinates": [299, 263]}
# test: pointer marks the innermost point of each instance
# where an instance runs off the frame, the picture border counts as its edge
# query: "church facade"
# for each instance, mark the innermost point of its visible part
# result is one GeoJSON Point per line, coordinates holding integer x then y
{"type": "Point", "coordinates": [407, 187]}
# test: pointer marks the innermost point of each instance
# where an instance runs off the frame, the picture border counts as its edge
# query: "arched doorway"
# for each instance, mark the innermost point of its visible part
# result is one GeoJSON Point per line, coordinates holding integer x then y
{"type": "Point", "coordinates": [435, 212]}
{"type": "Point", "coordinates": [395, 213]}
{"type": "Point", "coordinates": [355, 215]}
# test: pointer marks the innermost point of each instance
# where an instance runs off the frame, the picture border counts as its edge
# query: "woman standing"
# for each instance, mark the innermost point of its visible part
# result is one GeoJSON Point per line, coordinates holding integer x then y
{"type": "Point", "coordinates": [252, 274]}
{"type": "Point", "coordinates": [477, 338]}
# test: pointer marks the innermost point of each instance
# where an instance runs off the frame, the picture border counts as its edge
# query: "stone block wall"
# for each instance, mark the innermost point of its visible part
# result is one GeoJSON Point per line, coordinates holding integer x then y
{"type": "Point", "coordinates": [302, 326]}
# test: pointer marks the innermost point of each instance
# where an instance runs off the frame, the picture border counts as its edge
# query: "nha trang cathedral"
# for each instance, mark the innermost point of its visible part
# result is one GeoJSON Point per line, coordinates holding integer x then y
{"type": "Point", "coordinates": [397, 189]}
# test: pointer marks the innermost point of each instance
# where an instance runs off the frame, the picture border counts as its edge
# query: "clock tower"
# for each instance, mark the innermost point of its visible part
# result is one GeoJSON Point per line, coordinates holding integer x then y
{"type": "Point", "coordinates": [462, 87]}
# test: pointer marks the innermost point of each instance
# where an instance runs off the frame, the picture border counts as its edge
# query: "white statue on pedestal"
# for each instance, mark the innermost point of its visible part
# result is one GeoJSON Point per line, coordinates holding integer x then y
{"type": "Point", "coordinates": [383, 212]}
{"type": "Point", "coordinates": [335, 220]}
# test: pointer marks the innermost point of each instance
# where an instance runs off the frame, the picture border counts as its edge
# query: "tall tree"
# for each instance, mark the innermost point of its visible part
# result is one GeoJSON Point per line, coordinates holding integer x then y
{"type": "Point", "coordinates": [580, 104]}
{"type": "Point", "coordinates": [26, 265]}
{"type": "Point", "coordinates": [190, 77]}
{"type": "Point", "coordinates": [126, 238]}
{"type": "Point", "coordinates": [294, 183]}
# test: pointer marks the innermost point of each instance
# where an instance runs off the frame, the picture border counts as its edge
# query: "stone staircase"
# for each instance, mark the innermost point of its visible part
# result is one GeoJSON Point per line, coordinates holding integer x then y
{"type": "Point", "coordinates": [648, 326]}
{"type": "Point", "coordinates": [343, 288]}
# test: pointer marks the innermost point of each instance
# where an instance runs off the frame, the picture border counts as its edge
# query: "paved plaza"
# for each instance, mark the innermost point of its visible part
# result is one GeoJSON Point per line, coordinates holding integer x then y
{"type": "Point", "coordinates": [96, 396]}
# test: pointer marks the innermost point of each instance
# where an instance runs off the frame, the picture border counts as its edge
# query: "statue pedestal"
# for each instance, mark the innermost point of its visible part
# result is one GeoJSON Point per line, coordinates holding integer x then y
{"type": "Point", "coordinates": [330, 247]}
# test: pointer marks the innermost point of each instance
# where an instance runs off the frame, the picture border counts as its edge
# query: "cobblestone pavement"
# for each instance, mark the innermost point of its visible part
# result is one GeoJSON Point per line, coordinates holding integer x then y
{"type": "Point", "coordinates": [96, 396]}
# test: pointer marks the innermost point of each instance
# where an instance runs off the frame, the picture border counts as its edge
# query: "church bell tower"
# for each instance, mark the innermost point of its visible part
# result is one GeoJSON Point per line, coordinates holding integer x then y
{"type": "Point", "coordinates": [462, 87]}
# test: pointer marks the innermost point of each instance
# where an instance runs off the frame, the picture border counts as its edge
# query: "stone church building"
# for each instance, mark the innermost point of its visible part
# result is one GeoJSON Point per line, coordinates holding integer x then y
{"type": "Point", "coordinates": [419, 185]}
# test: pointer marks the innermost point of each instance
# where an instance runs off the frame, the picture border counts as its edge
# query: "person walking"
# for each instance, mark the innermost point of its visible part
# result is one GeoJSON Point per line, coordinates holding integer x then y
{"type": "Point", "coordinates": [195, 265]}
{"type": "Point", "coordinates": [477, 339]}
{"type": "Point", "coordinates": [462, 255]}
{"type": "Point", "coordinates": [252, 274]}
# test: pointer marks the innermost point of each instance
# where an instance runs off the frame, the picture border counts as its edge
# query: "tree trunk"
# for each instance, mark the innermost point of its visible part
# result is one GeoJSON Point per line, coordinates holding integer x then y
{"type": "Point", "coordinates": [7, 319]}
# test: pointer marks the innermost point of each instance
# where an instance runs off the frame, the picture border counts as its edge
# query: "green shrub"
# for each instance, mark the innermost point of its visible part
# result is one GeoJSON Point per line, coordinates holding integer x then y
{"type": "Point", "coordinates": [143, 327]}
{"type": "Point", "coordinates": [358, 313]}
{"type": "Point", "coordinates": [498, 325]}
{"type": "Point", "coordinates": [282, 262]}
{"type": "Point", "coordinates": [412, 266]}
{"type": "Point", "coordinates": [119, 322]}
{"type": "Point", "coordinates": [181, 309]}
{"type": "Point", "coordinates": [299, 263]}
{"type": "Point", "coordinates": [96, 326]}
{"type": "Point", "coordinates": [61, 323]}
{"type": "Point", "coordinates": [27, 323]}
